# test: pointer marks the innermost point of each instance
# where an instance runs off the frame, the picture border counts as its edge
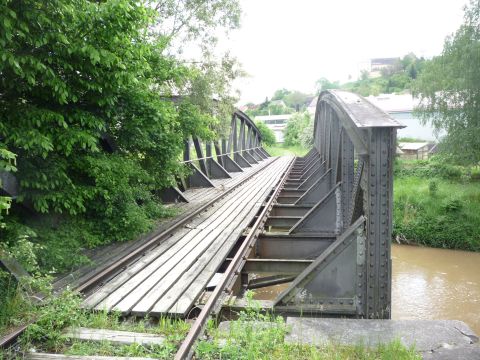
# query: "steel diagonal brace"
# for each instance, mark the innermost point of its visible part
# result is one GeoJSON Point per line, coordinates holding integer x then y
{"type": "Point", "coordinates": [353, 233]}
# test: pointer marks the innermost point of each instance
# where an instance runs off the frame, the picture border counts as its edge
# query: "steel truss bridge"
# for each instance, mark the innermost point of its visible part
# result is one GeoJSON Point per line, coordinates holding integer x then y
{"type": "Point", "coordinates": [320, 225]}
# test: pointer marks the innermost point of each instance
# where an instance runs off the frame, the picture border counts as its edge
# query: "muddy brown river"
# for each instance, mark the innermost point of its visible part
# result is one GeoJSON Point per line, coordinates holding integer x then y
{"type": "Point", "coordinates": [436, 284]}
{"type": "Point", "coordinates": [428, 284]}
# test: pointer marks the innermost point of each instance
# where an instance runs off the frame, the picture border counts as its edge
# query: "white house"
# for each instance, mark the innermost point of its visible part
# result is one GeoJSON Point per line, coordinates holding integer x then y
{"type": "Point", "coordinates": [275, 122]}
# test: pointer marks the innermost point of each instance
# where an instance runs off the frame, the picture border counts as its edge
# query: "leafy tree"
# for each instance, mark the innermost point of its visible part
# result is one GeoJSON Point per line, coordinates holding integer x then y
{"type": "Point", "coordinates": [295, 127]}
{"type": "Point", "coordinates": [195, 24]}
{"type": "Point", "coordinates": [325, 84]}
{"type": "Point", "coordinates": [268, 137]}
{"type": "Point", "coordinates": [71, 72]}
{"type": "Point", "coordinates": [182, 22]}
{"type": "Point", "coordinates": [297, 100]}
{"type": "Point", "coordinates": [270, 109]}
{"type": "Point", "coordinates": [306, 134]}
{"type": "Point", "coordinates": [209, 87]}
{"type": "Point", "coordinates": [449, 90]}
{"type": "Point", "coordinates": [364, 75]}
{"type": "Point", "coordinates": [394, 79]}
{"type": "Point", "coordinates": [85, 103]}
{"type": "Point", "coordinates": [280, 94]}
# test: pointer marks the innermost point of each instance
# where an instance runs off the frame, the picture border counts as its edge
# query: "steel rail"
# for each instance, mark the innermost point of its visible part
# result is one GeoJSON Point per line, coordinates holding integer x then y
{"type": "Point", "coordinates": [184, 352]}
{"type": "Point", "coordinates": [96, 278]}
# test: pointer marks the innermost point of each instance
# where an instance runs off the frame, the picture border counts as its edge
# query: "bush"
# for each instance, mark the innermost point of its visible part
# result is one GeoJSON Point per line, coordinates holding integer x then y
{"type": "Point", "coordinates": [268, 137]}
{"type": "Point", "coordinates": [450, 219]}
{"type": "Point", "coordinates": [296, 130]}
{"type": "Point", "coordinates": [430, 168]}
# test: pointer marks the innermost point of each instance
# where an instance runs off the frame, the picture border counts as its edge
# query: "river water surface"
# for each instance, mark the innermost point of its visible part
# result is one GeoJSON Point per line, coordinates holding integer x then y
{"type": "Point", "coordinates": [436, 284]}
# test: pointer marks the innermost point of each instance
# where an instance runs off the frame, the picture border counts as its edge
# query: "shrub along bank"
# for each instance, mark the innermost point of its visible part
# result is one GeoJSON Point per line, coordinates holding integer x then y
{"type": "Point", "coordinates": [437, 204]}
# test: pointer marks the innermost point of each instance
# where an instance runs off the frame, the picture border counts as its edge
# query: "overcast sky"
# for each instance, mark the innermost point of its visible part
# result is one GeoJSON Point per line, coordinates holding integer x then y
{"type": "Point", "coordinates": [292, 43]}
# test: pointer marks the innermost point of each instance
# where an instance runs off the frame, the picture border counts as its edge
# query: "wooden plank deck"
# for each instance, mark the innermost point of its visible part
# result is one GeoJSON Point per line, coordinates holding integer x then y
{"type": "Point", "coordinates": [169, 278]}
{"type": "Point", "coordinates": [103, 257]}
{"type": "Point", "coordinates": [114, 336]}
{"type": "Point", "coordinates": [45, 356]}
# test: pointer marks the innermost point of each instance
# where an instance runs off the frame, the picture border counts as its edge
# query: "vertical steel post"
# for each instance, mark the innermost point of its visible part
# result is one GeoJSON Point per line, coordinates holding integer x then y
{"type": "Point", "coordinates": [378, 198]}
{"type": "Point", "coordinates": [232, 140]}
{"type": "Point", "coordinates": [347, 170]}
{"type": "Point", "coordinates": [242, 136]}
{"type": "Point", "coordinates": [219, 152]}
{"type": "Point", "coordinates": [234, 137]}
{"type": "Point", "coordinates": [199, 150]}
{"type": "Point", "coordinates": [186, 150]}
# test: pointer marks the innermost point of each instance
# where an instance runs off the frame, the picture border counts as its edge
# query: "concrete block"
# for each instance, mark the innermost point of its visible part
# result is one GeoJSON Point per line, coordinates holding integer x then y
{"type": "Point", "coordinates": [425, 335]}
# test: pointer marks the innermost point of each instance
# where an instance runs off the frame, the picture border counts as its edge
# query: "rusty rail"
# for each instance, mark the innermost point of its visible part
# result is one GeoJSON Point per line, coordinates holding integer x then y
{"type": "Point", "coordinates": [185, 350]}
{"type": "Point", "coordinates": [98, 277]}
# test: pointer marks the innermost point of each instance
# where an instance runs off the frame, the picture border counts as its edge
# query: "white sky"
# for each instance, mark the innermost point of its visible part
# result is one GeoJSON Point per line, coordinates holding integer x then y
{"type": "Point", "coordinates": [292, 43]}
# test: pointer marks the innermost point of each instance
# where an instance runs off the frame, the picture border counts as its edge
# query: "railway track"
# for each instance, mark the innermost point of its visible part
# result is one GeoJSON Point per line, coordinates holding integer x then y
{"type": "Point", "coordinates": [239, 250]}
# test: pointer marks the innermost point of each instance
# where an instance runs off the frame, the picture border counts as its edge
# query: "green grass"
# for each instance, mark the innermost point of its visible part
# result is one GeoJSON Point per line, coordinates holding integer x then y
{"type": "Point", "coordinates": [281, 150]}
{"type": "Point", "coordinates": [410, 140]}
{"type": "Point", "coordinates": [261, 336]}
{"type": "Point", "coordinates": [15, 309]}
{"type": "Point", "coordinates": [437, 213]}
{"type": "Point", "coordinates": [253, 336]}
{"type": "Point", "coordinates": [46, 334]}
{"type": "Point", "coordinates": [437, 204]}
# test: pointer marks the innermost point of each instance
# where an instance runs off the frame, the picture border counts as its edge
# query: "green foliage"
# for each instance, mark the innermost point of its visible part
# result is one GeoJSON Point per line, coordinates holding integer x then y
{"type": "Point", "coordinates": [435, 167]}
{"type": "Point", "coordinates": [105, 78]}
{"type": "Point", "coordinates": [449, 90]}
{"type": "Point", "coordinates": [297, 100]}
{"type": "Point", "coordinates": [7, 164]}
{"type": "Point", "coordinates": [268, 137]}
{"type": "Point", "coordinates": [324, 84]}
{"type": "Point", "coordinates": [280, 94]}
{"type": "Point", "coordinates": [269, 109]}
{"type": "Point", "coordinates": [283, 102]}
{"type": "Point", "coordinates": [195, 21]}
{"type": "Point", "coordinates": [56, 314]}
{"type": "Point", "coordinates": [211, 90]}
{"type": "Point", "coordinates": [283, 150]}
{"type": "Point", "coordinates": [15, 308]}
{"type": "Point", "coordinates": [395, 79]}
{"type": "Point", "coordinates": [410, 140]}
{"type": "Point", "coordinates": [60, 312]}
{"type": "Point", "coordinates": [256, 335]}
{"type": "Point", "coordinates": [433, 188]}
{"type": "Point", "coordinates": [435, 206]}
{"type": "Point", "coordinates": [16, 304]}
{"type": "Point", "coordinates": [299, 130]}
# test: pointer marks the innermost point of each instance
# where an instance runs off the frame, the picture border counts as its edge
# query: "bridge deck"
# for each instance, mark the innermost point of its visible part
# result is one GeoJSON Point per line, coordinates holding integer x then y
{"type": "Point", "coordinates": [197, 197]}
{"type": "Point", "coordinates": [169, 278]}
{"type": "Point", "coordinates": [201, 195]}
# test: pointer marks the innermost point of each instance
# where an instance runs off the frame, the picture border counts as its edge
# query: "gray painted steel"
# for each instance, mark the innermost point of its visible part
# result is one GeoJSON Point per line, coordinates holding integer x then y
{"type": "Point", "coordinates": [340, 193]}
{"type": "Point", "coordinates": [242, 149]}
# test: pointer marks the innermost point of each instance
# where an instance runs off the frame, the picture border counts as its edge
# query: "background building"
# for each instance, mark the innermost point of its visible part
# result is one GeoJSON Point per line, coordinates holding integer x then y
{"type": "Point", "coordinates": [275, 122]}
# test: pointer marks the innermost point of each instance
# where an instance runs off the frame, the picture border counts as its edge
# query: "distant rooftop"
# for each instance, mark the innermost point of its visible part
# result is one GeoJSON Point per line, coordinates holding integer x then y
{"type": "Point", "coordinates": [273, 117]}
{"type": "Point", "coordinates": [392, 103]}
{"type": "Point", "coordinates": [412, 145]}
{"type": "Point", "coordinates": [384, 61]}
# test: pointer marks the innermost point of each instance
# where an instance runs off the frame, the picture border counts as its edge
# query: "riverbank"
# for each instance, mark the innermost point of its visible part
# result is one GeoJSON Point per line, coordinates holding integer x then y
{"type": "Point", "coordinates": [436, 205]}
